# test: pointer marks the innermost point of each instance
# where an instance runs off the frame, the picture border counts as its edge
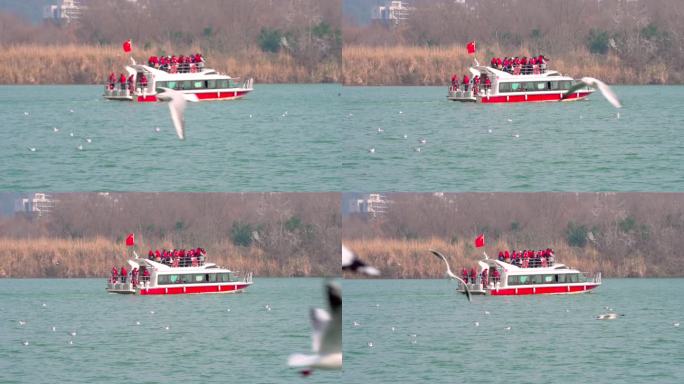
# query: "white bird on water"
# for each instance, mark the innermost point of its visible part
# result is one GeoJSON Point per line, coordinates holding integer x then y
{"type": "Point", "coordinates": [676, 324]}
{"type": "Point", "coordinates": [356, 324]}
{"type": "Point", "coordinates": [451, 274]}
{"type": "Point", "coordinates": [22, 323]}
{"type": "Point", "coordinates": [405, 136]}
{"type": "Point", "coordinates": [26, 343]}
{"type": "Point", "coordinates": [380, 130]}
{"type": "Point", "coordinates": [26, 113]}
{"type": "Point", "coordinates": [326, 337]}
{"type": "Point", "coordinates": [32, 149]}
{"type": "Point", "coordinates": [80, 147]}
{"type": "Point", "coordinates": [417, 149]}
{"type": "Point", "coordinates": [177, 103]}
{"type": "Point", "coordinates": [422, 141]}
{"type": "Point", "coordinates": [157, 129]}
{"type": "Point", "coordinates": [608, 316]}
{"type": "Point", "coordinates": [350, 262]}
{"type": "Point", "coordinates": [55, 129]}
{"type": "Point", "coordinates": [371, 150]}
{"type": "Point", "coordinates": [607, 93]}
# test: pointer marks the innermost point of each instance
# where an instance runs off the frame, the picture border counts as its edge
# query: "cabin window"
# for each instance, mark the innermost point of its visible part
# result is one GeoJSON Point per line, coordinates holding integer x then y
{"type": "Point", "coordinates": [187, 84]}
{"type": "Point", "coordinates": [198, 84]}
{"type": "Point", "coordinates": [565, 84]}
{"type": "Point", "coordinates": [504, 87]}
{"type": "Point", "coordinates": [548, 279]}
{"type": "Point", "coordinates": [561, 278]}
{"type": "Point", "coordinates": [211, 84]}
{"type": "Point", "coordinates": [212, 277]}
{"type": "Point", "coordinates": [163, 279]}
{"type": "Point", "coordinates": [553, 85]}
{"type": "Point", "coordinates": [184, 279]}
{"type": "Point", "coordinates": [536, 279]}
{"type": "Point", "coordinates": [572, 278]}
{"type": "Point", "coordinates": [169, 84]}
{"type": "Point", "coordinates": [162, 84]}
{"type": "Point", "coordinates": [198, 279]}
{"type": "Point", "coordinates": [541, 86]}
{"type": "Point", "coordinates": [172, 279]}
{"type": "Point", "coordinates": [222, 83]}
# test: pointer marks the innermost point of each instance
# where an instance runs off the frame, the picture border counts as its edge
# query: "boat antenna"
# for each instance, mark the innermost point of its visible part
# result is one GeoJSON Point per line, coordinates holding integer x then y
{"type": "Point", "coordinates": [485, 255]}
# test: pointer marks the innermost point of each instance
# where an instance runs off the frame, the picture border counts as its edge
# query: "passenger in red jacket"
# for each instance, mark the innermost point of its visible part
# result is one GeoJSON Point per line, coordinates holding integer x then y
{"type": "Point", "coordinates": [124, 274]}
{"type": "Point", "coordinates": [466, 81]}
{"type": "Point", "coordinates": [122, 81]}
{"type": "Point", "coordinates": [464, 274]}
{"type": "Point", "coordinates": [495, 276]}
{"type": "Point", "coordinates": [115, 274]}
{"type": "Point", "coordinates": [473, 275]}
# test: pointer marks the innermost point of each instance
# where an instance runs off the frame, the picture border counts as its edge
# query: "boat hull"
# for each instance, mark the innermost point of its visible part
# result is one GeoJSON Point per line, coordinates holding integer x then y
{"type": "Point", "coordinates": [521, 98]}
{"type": "Point", "coordinates": [537, 290]}
{"type": "Point", "coordinates": [126, 288]}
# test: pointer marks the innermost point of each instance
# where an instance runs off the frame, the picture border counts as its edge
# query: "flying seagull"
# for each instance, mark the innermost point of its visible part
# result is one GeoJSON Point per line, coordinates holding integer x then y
{"type": "Point", "coordinates": [352, 263]}
{"type": "Point", "coordinates": [177, 102]}
{"type": "Point", "coordinates": [326, 336]}
{"type": "Point", "coordinates": [594, 83]}
{"type": "Point", "coordinates": [451, 274]}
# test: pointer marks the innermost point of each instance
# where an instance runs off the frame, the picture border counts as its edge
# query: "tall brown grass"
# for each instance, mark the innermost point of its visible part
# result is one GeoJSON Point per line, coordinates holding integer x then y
{"type": "Point", "coordinates": [90, 64]}
{"type": "Point", "coordinates": [94, 257]}
{"type": "Point", "coordinates": [413, 65]}
{"type": "Point", "coordinates": [412, 259]}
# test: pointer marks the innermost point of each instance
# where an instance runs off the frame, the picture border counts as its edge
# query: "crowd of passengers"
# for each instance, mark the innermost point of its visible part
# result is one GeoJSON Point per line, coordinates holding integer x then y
{"type": "Point", "coordinates": [475, 83]}
{"type": "Point", "coordinates": [121, 276]}
{"type": "Point", "coordinates": [178, 257]}
{"type": "Point", "coordinates": [520, 65]}
{"type": "Point", "coordinates": [528, 258]}
{"type": "Point", "coordinates": [126, 82]}
{"type": "Point", "coordinates": [177, 64]}
{"type": "Point", "coordinates": [471, 278]}
{"type": "Point", "coordinates": [524, 259]}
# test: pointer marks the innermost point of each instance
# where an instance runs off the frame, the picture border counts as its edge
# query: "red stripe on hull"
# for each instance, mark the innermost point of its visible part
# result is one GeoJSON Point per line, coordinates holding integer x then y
{"type": "Point", "coordinates": [193, 289]}
{"type": "Point", "coordinates": [229, 95]}
{"type": "Point", "coordinates": [531, 98]}
{"type": "Point", "coordinates": [545, 290]}
{"type": "Point", "coordinates": [147, 99]}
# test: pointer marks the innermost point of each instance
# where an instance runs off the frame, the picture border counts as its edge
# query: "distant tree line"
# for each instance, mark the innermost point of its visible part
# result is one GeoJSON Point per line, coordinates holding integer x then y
{"type": "Point", "coordinates": [616, 227]}
{"type": "Point", "coordinates": [308, 30]}
{"type": "Point", "coordinates": [278, 228]}
{"type": "Point", "coordinates": [641, 34]}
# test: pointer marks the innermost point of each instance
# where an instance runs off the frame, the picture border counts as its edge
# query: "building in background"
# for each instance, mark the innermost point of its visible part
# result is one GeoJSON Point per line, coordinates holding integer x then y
{"type": "Point", "coordinates": [39, 204]}
{"type": "Point", "coordinates": [392, 13]}
{"type": "Point", "coordinates": [64, 12]}
{"type": "Point", "coordinates": [373, 205]}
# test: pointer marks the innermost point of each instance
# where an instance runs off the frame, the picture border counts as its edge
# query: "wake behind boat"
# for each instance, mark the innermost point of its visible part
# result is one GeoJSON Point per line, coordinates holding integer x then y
{"type": "Point", "coordinates": [189, 76]}
{"type": "Point", "coordinates": [150, 277]}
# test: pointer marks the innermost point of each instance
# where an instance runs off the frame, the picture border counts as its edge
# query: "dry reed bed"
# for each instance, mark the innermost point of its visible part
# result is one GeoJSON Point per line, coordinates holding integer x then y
{"type": "Point", "coordinates": [412, 259]}
{"type": "Point", "coordinates": [50, 257]}
{"type": "Point", "coordinates": [88, 64]}
{"type": "Point", "coordinates": [411, 65]}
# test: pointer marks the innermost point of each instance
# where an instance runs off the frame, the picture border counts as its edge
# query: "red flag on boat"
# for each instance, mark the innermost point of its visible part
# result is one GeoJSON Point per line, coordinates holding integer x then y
{"type": "Point", "coordinates": [127, 46]}
{"type": "Point", "coordinates": [130, 240]}
{"type": "Point", "coordinates": [471, 48]}
{"type": "Point", "coordinates": [479, 241]}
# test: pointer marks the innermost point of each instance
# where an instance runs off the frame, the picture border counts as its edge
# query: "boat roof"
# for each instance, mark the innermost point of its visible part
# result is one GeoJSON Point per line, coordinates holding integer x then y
{"type": "Point", "coordinates": [165, 269]}
{"type": "Point", "coordinates": [477, 70]}
{"type": "Point", "coordinates": [159, 75]}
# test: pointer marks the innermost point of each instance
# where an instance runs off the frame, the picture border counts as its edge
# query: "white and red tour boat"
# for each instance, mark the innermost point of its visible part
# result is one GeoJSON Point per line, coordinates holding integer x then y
{"type": "Point", "coordinates": [507, 87]}
{"type": "Point", "coordinates": [204, 83]}
{"type": "Point", "coordinates": [162, 279]}
{"type": "Point", "coordinates": [552, 279]}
